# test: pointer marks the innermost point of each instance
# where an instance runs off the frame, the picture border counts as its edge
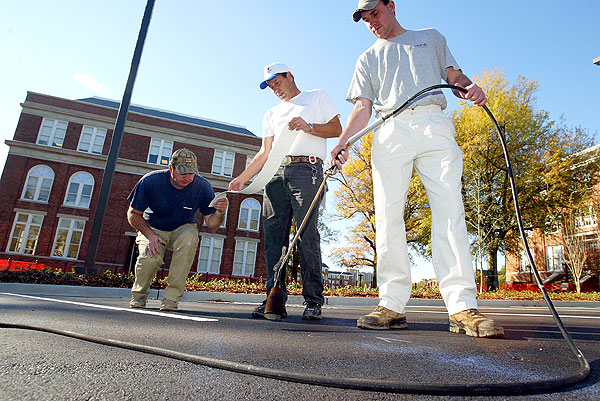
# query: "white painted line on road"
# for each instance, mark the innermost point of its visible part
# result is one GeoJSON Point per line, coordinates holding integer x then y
{"type": "Point", "coordinates": [142, 311]}
{"type": "Point", "coordinates": [389, 340]}
{"type": "Point", "coordinates": [513, 314]}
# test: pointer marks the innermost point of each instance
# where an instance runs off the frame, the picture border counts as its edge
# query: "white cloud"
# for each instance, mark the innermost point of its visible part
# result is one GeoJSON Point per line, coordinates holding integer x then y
{"type": "Point", "coordinates": [89, 83]}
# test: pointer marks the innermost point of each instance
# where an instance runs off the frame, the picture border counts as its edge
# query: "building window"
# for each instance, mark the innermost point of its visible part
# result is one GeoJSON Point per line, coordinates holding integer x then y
{"type": "Point", "coordinates": [25, 233]}
{"type": "Point", "coordinates": [209, 259]}
{"type": "Point", "coordinates": [554, 258]}
{"type": "Point", "coordinates": [38, 184]}
{"type": "Point", "coordinates": [91, 140]}
{"type": "Point", "coordinates": [244, 258]}
{"type": "Point", "coordinates": [160, 152]}
{"type": "Point", "coordinates": [524, 265]}
{"type": "Point", "coordinates": [223, 163]}
{"type": "Point", "coordinates": [79, 192]}
{"type": "Point", "coordinates": [224, 223]}
{"type": "Point", "coordinates": [248, 161]}
{"type": "Point", "coordinates": [586, 218]}
{"type": "Point", "coordinates": [52, 133]}
{"type": "Point", "coordinates": [249, 215]}
{"type": "Point", "coordinates": [68, 238]}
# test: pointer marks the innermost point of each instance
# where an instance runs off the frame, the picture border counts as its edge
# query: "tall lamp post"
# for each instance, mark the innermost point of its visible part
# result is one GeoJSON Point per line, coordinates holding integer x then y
{"type": "Point", "coordinates": [111, 161]}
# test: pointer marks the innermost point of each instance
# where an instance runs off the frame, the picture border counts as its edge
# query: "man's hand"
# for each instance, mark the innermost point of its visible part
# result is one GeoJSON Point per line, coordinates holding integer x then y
{"type": "Point", "coordinates": [298, 124]}
{"type": "Point", "coordinates": [153, 248]}
{"type": "Point", "coordinates": [339, 155]}
{"type": "Point", "coordinates": [221, 204]}
{"type": "Point", "coordinates": [475, 94]}
{"type": "Point", "coordinates": [236, 185]}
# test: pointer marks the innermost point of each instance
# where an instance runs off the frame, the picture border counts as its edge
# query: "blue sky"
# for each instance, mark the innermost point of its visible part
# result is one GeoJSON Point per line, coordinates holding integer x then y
{"type": "Point", "coordinates": [206, 58]}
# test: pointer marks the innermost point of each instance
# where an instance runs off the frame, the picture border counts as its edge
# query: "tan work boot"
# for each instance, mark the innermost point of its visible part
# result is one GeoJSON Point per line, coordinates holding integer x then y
{"type": "Point", "coordinates": [168, 305]}
{"type": "Point", "coordinates": [137, 303]}
{"type": "Point", "coordinates": [382, 319]}
{"type": "Point", "coordinates": [473, 323]}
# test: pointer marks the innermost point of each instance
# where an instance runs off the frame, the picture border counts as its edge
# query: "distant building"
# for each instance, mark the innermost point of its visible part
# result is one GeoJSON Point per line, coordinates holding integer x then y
{"type": "Point", "coordinates": [54, 169]}
{"type": "Point", "coordinates": [549, 255]}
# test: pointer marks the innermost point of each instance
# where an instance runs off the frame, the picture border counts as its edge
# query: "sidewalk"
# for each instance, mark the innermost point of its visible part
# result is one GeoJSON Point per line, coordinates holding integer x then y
{"type": "Point", "coordinates": [107, 292]}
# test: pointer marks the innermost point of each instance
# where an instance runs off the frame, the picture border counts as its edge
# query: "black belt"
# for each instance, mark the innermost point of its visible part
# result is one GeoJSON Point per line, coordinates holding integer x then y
{"type": "Point", "coordinates": [301, 159]}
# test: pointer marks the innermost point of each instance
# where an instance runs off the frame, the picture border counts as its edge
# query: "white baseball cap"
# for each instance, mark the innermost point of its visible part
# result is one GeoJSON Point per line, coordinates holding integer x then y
{"type": "Point", "coordinates": [271, 71]}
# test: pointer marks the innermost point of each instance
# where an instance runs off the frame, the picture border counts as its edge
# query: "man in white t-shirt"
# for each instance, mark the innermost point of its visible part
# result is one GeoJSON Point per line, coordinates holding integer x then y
{"type": "Point", "coordinates": [399, 64]}
{"type": "Point", "coordinates": [294, 186]}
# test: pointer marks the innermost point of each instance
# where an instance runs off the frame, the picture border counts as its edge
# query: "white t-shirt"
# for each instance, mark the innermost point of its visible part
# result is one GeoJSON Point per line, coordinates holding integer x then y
{"type": "Point", "coordinates": [315, 107]}
{"type": "Point", "coordinates": [392, 70]}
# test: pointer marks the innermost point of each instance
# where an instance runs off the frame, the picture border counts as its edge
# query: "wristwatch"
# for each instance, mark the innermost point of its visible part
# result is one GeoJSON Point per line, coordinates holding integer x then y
{"type": "Point", "coordinates": [310, 126]}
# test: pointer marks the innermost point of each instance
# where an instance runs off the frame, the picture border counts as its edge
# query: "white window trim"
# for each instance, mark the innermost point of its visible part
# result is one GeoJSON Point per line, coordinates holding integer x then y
{"type": "Point", "coordinates": [211, 238]}
{"type": "Point", "coordinates": [70, 232]}
{"type": "Point", "coordinates": [80, 190]}
{"type": "Point", "coordinates": [245, 241]}
{"type": "Point", "coordinates": [96, 132]}
{"type": "Point", "coordinates": [225, 155]}
{"type": "Point", "coordinates": [162, 144]}
{"type": "Point", "coordinates": [249, 217]}
{"type": "Point", "coordinates": [53, 128]}
{"type": "Point", "coordinates": [39, 184]}
{"type": "Point", "coordinates": [26, 232]}
{"type": "Point", "coordinates": [553, 249]}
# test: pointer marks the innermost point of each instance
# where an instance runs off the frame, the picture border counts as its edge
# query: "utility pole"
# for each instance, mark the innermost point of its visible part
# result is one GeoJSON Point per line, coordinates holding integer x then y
{"type": "Point", "coordinates": [111, 161]}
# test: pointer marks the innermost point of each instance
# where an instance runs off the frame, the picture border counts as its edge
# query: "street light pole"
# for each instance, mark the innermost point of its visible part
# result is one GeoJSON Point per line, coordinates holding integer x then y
{"type": "Point", "coordinates": [92, 248]}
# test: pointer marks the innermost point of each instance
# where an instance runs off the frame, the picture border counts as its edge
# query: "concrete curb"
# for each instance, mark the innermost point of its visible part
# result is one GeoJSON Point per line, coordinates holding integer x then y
{"type": "Point", "coordinates": [108, 292]}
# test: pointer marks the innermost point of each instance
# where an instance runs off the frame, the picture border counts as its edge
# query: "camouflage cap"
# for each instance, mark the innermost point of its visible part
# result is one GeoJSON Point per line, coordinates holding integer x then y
{"type": "Point", "coordinates": [184, 161]}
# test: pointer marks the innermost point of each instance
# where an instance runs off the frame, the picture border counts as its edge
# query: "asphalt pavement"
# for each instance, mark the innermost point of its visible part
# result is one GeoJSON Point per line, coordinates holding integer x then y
{"type": "Point", "coordinates": [218, 327]}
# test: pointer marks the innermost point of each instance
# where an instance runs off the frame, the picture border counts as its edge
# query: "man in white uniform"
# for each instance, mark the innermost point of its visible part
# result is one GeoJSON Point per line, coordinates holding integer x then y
{"type": "Point", "coordinates": [292, 189]}
{"type": "Point", "coordinates": [398, 65]}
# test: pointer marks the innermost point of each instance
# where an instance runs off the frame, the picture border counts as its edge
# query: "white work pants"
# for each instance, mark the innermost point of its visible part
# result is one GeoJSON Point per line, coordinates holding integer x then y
{"type": "Point", "coordinates": [422, 138]}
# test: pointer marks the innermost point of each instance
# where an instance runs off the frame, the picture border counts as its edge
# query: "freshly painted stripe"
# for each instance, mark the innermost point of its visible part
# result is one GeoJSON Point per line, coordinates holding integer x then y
{"type": "Point", "coordinates": [114, 308]}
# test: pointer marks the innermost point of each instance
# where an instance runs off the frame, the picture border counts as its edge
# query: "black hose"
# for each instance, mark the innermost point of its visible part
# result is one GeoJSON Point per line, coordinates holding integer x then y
{"type": "Point", "coordinates": [355, 383]}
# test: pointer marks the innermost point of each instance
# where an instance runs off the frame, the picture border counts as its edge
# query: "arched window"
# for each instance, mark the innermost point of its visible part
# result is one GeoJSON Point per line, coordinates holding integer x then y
{"type": "Point", "coordinates": [79, 191]}
{"type": "Point", "coordinates": [249, 215]}
{"type": "Point", "coordinates": [38, 184]}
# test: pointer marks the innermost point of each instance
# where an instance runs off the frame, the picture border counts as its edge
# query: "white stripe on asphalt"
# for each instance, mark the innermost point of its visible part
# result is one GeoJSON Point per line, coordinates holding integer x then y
{"type": "Point", "coordinates": [486, 311]}
{"type": "Point", "coordinates": [142, 311]}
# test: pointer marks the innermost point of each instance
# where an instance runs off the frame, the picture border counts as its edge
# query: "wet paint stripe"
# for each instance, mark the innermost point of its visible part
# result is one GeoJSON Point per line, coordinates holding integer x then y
{"type": "Point", "coordinates": [115, 308]}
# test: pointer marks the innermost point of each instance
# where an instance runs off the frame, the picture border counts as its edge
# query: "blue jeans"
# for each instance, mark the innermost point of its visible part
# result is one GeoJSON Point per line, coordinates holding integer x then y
{"type": "Point", "coordinates": [289, 194]}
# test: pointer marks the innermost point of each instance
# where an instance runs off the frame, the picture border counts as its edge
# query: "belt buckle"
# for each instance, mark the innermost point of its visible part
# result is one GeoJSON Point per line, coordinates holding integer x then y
{"type": "Point", "coordinates": [286, 160]}
{"type": "Point", "coordinates": [312, 159]}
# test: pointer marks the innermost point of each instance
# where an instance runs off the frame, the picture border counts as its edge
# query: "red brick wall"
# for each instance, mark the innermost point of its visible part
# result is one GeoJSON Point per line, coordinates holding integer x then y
{"type": "Point", "coordinates": [28, 128]}
{"type": "Point", "coordinates": [114, 244]}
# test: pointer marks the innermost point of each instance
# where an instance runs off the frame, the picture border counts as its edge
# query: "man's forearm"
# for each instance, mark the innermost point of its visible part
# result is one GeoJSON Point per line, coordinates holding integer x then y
{"type": "Point", "coordinates": [215, 220]}
{"type": "Point", "coordinates": [139, 223]}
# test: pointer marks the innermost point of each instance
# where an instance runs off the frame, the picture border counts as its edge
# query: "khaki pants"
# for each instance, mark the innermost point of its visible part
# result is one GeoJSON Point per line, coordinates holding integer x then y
{"type": "Point", "coordinates": [183, 241]}
{"type": "Point", "coordinates": [422, 139]}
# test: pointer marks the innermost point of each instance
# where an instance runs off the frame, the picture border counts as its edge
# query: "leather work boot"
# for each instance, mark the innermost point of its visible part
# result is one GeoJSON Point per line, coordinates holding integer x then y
{"type": "Point", "coordinates": [168, 305]}
{"type": "Point", "coordinates": [382, 318]}
{"type": "Point", "coordinates": [137, 303]}
{"type": "Point", "coordinates": [473, 323]}
{"type": "Point", "coordinates": [259, 311]}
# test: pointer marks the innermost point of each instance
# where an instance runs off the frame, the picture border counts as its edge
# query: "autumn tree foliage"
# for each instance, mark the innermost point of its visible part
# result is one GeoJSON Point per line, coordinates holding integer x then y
{"type": "Point", "coordinates": [354, 198]}
{"type": "Point", "coordinates": [547, 159]}
{"type": "Point", "coordinates": [544, 154]}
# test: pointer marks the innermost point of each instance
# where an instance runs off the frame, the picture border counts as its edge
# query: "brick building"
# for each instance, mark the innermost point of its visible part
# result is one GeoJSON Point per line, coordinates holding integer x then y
{"type": "Point", "coordinates": [548, 251]}
{"type": "Point", "coordinates": [53, 173]}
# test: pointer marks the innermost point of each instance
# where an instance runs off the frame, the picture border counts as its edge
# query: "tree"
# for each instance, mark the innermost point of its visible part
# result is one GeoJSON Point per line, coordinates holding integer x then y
{"type": "Point", "coordinates": [575, 252]}
{"type": "Point", "coordinates": [355, 202]}
{"type": "Point", "coordinates": [543, 153]}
